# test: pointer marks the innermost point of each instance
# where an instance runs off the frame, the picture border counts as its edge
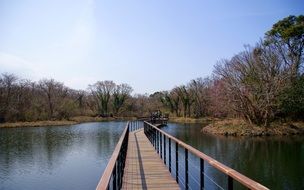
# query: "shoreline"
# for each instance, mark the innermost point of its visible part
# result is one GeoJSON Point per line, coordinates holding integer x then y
{"type": "Point", "coordinates": [204, 120]}
{"type": "Point", "coordinates": [215, 126]}
{"type": "Point", "coordinates": [72, 121]}
{"type": "Point", "coordinates": [239, 127]}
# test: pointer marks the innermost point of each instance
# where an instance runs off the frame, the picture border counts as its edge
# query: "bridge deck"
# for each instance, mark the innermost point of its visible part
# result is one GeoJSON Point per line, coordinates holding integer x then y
{"type": "Point", "coordinates": [144, 169]}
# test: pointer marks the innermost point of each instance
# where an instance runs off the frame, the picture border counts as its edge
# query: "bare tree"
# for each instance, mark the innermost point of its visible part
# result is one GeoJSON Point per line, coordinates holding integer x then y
{"type": "Point", "coordinates": [254, 79]}
{"type": "Point", "coordinates": [7, 85]}
{"type": "Point", "coordinates": [53, 93]}
{"type": "Point", "coordinates": [102, 91]}
{"type": "Point", "coordinates": [120, 94]}
{"type": "Point", "coordinates": [199, 88]}
{"type": "Point", "coordinates": [186, 99]}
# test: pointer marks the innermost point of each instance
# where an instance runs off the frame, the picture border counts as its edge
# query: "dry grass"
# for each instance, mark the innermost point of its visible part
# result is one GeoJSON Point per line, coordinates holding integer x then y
{"type": "Point", "coordinates": [72, 121]}
{"type": "Point", "coordinates": [37, 124]}
{"type": "Point", "coordinates": [191, 120]}
{"type": "Point", "coordinates": [239, 127]}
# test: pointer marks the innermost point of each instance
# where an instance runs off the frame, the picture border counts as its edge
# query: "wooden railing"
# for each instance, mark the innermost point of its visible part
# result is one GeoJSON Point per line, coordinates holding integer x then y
{"type": "Point", "coordinates": [162, 141]}
{"type": "Point", "coordinates": [178, 163]}
{"type": "Point", "coordinates": [113, 174]}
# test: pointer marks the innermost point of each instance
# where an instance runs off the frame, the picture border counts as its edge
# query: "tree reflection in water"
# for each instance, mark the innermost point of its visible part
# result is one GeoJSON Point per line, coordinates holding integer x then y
{"type": "Point", "coordinates": [64, 157]}
{"type": "Point", "coordinates": [276, 162]}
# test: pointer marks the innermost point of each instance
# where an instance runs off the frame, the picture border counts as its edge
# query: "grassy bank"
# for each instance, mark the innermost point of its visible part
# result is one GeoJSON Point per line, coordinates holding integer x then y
{"type": "Point", "coordinates": [71, 121]}
{"type": "Point", "coordinates": [238, 127]}
{"type": "Point", "coordinates": [37, 124]}
{"type": "Point", "coordinates": [191, 120]}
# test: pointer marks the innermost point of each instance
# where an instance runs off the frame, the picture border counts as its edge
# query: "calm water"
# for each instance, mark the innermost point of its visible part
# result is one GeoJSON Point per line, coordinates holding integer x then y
{"type": "Point", "coordinates": [65, 157]}
{"type": "Point", "coordinates": [74, 157]}
{"type": "Point", "coordinates": [276, 162]}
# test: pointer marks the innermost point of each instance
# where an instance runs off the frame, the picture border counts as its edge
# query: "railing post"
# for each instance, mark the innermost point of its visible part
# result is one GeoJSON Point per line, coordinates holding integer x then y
{"type": "Point", "coordinates": [186, 169]}
{"type": "Point", "coordinates": [161, 145]}
{"type": "Point", "coordinates": [114, 177]}
{"type": "Point", "coordinates": [154, 137]}
{"type": "Point", "coordinates": [151, 135]}
{"type": "Point", "coordinates": [170, 155]}
{"type": "Point", "coordinates": [176, 162]}
{"type": "Point", "coordinates": [202, 174]}
{"type": "Point", "coordinates": [118, 168]}
{"type": "Point", "coordinates": [165, 150]}
{"type": "Point", "coordinates": [157, 141]}
{"type": "Point", "coordinates": [230, 183]}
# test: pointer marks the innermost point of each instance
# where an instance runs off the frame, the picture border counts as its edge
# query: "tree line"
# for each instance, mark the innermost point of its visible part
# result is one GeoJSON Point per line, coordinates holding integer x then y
{"type": "Point", "coordinates": [261, 84]}
{"type": "Point", "coordinates": [24, 100]}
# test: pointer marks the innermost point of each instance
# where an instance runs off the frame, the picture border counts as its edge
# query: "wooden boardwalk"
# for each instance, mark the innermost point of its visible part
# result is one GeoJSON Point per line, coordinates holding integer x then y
{"type": "Point", "coordinates": [135, 163]}
{"type": "Point", "coordinates": [144, 169]}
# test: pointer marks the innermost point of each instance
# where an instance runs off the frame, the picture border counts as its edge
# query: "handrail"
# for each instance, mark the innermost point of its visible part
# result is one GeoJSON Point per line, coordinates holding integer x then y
{"type": "Point", "coordinates": [116, 164]}
{"type": "Point", "coordinates": [247, 182]}
{"type": "Point", "coordinates": [106, 177]}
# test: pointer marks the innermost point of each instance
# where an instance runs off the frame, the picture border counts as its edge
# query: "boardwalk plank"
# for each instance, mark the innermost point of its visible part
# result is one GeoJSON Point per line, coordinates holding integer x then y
{"type": "Point", "coordinates": [144, 169]}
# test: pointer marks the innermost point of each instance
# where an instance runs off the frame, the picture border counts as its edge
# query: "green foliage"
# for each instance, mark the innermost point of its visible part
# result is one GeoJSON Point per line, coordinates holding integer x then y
{"type": "Point", "coordinates": [288, 30]}
{"type": "Point", "coordinates": [287, 36]}
{"type": "Point", "coordinates": [292, 100]}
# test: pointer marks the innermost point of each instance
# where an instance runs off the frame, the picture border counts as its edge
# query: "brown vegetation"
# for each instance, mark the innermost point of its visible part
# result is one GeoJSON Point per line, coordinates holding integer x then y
{"type": "Point", "coordinates": [204, 120]}
{"type": "Point", "coordinates": [71, 121]}
{"type": "Point", "coordinates": [238, 127]}
{"type": "Point", "coordinates": [264, 84]}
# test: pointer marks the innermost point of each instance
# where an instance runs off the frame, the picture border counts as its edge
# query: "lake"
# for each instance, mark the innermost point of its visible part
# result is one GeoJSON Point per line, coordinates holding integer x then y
{"type": "Point", "coordinates": [63, 157]}
{"type": "Point", "coordinates": [74, 157]}
{"type": "Point", "coordinates": [276, 162]}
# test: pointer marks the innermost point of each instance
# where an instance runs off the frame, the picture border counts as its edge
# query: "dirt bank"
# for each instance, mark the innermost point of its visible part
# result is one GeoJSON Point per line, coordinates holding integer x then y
{"type": "Point", "coordinates": [71, 121]}
{"type": "Point", "coordinates": [238, 127]}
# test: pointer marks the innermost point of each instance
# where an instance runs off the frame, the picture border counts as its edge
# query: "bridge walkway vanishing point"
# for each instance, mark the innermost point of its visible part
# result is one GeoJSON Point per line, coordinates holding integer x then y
{"type": "Point", "coordinates": [146, 157]}
{"type": "Point", "coordinates": [144, 169]}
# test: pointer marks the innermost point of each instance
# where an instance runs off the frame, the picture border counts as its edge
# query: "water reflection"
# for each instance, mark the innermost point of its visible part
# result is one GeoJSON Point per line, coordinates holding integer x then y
{"type": "Point", "coordinates": [69, 157]}
{"type": "Point", "coordinates": [276, 162]}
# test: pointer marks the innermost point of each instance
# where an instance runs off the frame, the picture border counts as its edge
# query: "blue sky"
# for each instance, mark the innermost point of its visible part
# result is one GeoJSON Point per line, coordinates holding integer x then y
{"type": "Point", "coordinates": [150, 44]}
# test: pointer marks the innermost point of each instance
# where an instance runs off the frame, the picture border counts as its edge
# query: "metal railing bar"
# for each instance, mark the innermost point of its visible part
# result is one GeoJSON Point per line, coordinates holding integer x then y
{"type": "Point", "coordinates": [181, 181]}
{"type": "Point", "coordinates": [213, 181]}
{"type": "Point", "coordinates": [194, 179]}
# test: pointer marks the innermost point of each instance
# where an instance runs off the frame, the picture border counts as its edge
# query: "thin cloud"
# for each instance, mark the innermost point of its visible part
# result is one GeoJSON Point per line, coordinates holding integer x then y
{"type": "Point", "coordinates": [15, 64]}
